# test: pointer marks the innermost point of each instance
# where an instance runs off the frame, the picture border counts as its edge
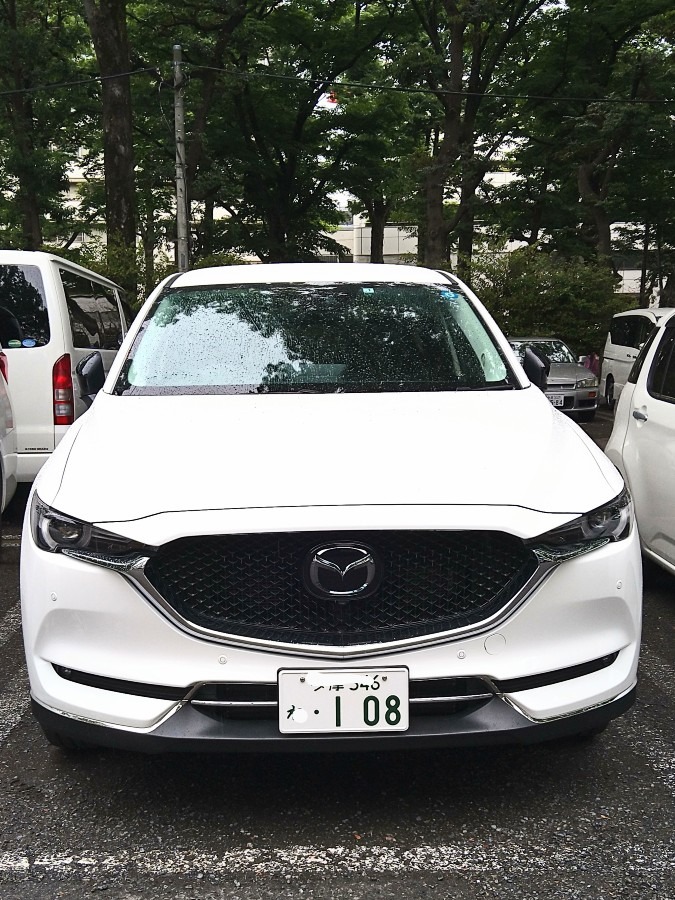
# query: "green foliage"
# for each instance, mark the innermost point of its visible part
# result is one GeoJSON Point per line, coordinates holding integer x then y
{"type": "Point", "coordinates": [265, 155]}
{"type": "Point", "coordinates": [41, 128]}
{"type": "Point", "coordinates": [220, 259]}
{"type": "Point", "coordinates": [532, 293]}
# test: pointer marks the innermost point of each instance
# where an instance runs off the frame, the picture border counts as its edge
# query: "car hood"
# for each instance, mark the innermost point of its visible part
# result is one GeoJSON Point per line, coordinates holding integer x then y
{"type": "Point", "coordinates": [568, 372]}
{"type": "Point", "coordinates": [133, 457]}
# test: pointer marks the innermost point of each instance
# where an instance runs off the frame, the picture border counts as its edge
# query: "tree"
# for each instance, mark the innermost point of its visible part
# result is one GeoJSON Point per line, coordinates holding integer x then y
{"type": "Point", "coordinates": [592, 90]}
{"type": "Point", "coordinates": [107, 21]}
{"type": "Point", "coordinates": [40, 126]}
{"type": "Point", "coordinates": [531, 292]}
{"type": "Point", "coordinates": [464, 44]}
{"type": "Point", "coordinates": [383, 148]}
{"type": "Point", "coordinates": [277, 154]}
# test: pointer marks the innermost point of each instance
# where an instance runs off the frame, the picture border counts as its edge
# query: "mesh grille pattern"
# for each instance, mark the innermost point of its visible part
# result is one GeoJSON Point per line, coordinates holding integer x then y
{"type": "Point", "coordinates": [251, 585]}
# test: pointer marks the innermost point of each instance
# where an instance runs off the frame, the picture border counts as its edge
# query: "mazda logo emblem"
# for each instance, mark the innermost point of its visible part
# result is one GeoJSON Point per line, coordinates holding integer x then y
{"type": "Point", "coordinates": [341, 570]}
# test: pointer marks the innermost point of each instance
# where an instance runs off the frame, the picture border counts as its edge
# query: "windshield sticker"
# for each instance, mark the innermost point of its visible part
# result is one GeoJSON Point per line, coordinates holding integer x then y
{"type": "Point", "coordinates": [28, 342]}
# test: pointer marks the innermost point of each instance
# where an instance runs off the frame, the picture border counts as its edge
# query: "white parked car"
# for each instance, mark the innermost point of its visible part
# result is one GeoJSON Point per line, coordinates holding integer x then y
{"type": "Point", "coordinates": [7, 440]}
{"type": "Point", "coordinates": [322, 506]}
{"type": "Point", "coordinates": [642, 443]}
{"type": "Point", "coordinates": [627, 333]}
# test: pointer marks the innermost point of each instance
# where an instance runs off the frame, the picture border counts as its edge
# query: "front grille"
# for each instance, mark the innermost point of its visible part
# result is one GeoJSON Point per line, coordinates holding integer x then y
{"type": "Point", "coordinates": [252, 585]}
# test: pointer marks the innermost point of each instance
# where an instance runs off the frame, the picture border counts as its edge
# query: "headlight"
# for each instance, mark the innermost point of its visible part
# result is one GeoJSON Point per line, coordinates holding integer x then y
{"type": "Point", "coordinates": [597, 528]}
{"type": "Point", "coordinates": [589, 382]}
{"type": "Point", "coordinates": [55, 532]}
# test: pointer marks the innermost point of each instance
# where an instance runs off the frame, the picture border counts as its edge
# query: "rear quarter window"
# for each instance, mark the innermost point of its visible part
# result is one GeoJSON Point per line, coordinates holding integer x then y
{"type": "Point", "coordinates": [24, 320]}
{"type": "Point", "coordinates": [93, 311]}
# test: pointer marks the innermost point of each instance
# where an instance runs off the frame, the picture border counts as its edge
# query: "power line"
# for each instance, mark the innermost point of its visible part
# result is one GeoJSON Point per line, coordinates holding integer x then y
{"type": "Point", "coordinates": [357, 85]}
{"type": "Point", "coordinates": [58, 85]}
{"type": "Point", "coordinates": [370, 86]}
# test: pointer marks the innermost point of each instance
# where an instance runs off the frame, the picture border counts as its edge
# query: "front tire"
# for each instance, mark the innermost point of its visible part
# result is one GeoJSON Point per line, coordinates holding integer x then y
{"type": "Point", "coordinates": [609, 394]}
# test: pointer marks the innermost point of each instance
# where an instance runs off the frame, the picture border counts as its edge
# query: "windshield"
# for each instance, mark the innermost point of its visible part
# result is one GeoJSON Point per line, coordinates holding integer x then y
{"type": "Point", "coordinates": [312, 337]}
{"type": "Point", "coordinates": [555, 350]}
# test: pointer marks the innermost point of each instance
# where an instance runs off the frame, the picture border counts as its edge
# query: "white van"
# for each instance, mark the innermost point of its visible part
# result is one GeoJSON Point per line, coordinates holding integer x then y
{"type": "Point", "coordinates": [52, 314]}
{"type": "Point", "coordinates": [7, 439]}
{"type": "Point", "coordinates": [627, 333]}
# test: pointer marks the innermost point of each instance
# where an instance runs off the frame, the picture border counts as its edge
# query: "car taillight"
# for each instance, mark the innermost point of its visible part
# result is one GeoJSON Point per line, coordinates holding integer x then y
{"type": "Point", "coordinates": [62, 382]}
{"type": "Point", "coordinates": [3, 366]}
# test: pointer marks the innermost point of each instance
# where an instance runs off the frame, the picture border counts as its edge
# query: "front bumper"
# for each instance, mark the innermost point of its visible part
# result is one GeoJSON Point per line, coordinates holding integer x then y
{"type": "Point", "coordinates": [91, 620]}
{"type": "Point", "coordinates": [573, 401]}
{"type": "Point", "coordinates": [190, 730]}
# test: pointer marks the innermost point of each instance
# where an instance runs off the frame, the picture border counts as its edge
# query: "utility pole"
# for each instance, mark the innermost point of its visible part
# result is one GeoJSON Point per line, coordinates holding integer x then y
{"type": "Point", "coordinates": [182, 243]}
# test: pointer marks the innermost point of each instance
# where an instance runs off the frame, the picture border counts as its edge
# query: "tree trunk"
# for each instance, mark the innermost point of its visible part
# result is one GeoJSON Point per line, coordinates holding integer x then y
{"type": "Point", "coordinates": [435, 248]}
{"type": "Point", "coordinates": [27, 196]}
{"type": "Point", "coordinates": [378, 211]}
{"type": "Point", "coordinates": [465, 243]}
{"type": "Point", "coordinates": [108, 28]}
{"type": "Point", "coordinates": [591, 195]}
{"type": "Point", "coordinates": [644, 299]}
{"type": "Point", "coordinates": [149, 249]}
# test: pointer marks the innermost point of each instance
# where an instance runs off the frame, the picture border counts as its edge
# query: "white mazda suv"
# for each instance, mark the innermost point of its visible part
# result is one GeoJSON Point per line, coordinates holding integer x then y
{"type": "Point", "coordinates": [322, 506]}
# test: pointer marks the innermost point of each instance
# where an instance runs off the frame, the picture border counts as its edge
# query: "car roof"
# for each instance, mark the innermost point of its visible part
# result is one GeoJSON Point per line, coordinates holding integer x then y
{"type": "Point", "coordinates": [657, 312]}
{"type": "Point", "coordinates": [280, 273]}
{"type": "Point", "coordinates": [36, 257]}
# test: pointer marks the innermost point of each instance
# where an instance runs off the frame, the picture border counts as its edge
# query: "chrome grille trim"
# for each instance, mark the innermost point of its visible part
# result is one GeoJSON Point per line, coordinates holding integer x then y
{"type": "Point", "coordinates": [135, 575]}
{"type": "Point", "coordinates": [474, 697]}
{"type": "Point", "coordinates": [236, 703]}
{"type": "Point", "coordinates": [453, 699]}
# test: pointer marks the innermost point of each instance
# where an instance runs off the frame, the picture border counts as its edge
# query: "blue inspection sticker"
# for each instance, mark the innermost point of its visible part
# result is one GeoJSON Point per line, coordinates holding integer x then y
{"type": "Point", "coordinates": [28, 342]}
{"type": "Point", "coordinates": [368, 290]}
{"type": "Point", "coordinates": [450, 295]}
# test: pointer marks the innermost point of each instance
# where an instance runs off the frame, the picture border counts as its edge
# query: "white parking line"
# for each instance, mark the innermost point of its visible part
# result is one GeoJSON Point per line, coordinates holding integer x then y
{"type": "Point", "coordinates": [15, 694]}
{"type": "Point", "coordinates": [467, 857]}
{"type": "Point", "coordinates": [10, 623]}
{"type": "Point", "coordinates": [13, 702]}
{"type": "Point", "coordinates": [11, 538]}
{"type": "Point", "coordinates": [660, 672]}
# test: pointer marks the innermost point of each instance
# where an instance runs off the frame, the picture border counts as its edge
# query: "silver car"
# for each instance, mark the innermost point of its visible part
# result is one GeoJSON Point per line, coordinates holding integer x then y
{"type": "Point", "coordinates": [571, 386]}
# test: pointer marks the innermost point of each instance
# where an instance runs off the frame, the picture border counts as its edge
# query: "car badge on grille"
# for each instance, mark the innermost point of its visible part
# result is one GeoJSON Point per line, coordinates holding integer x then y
{"type": "Point", "coordinates": [341, 570]}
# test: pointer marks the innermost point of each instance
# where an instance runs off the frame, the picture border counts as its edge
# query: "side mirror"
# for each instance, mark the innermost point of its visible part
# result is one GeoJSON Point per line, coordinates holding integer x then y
{"type": "Point", "coordinates": [91, 376]}
{"type": "Point", "coordinates": [536, 368]}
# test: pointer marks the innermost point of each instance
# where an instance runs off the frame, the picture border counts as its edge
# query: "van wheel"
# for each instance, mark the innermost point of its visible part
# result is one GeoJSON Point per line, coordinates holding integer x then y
{"type": "Point", "coordinates": [609, 393]}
